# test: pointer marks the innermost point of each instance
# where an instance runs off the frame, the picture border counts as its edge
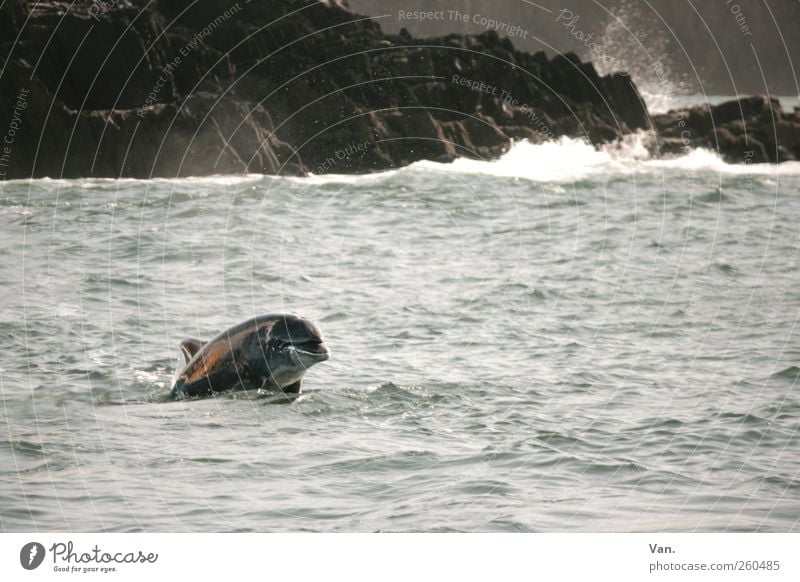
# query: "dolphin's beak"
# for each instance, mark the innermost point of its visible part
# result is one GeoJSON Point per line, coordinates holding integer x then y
{"type": "Point", "coordinates": [324, 352]}
{"type": "Point", "coordinates": [316, 349]}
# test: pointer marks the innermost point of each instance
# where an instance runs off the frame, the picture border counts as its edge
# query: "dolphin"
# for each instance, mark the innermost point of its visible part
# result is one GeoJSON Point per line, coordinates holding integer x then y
{"type": "Point", "coordinates": [272, 352]}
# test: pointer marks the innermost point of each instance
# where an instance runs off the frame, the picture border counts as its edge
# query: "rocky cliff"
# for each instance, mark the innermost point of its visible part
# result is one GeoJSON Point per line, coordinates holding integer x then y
{"type": "Point", "coordinates": [136, 88]}
{"type": "Point", "coordinates": [750, 130]}
{"type": "Point", "coordinates": [182, 87]}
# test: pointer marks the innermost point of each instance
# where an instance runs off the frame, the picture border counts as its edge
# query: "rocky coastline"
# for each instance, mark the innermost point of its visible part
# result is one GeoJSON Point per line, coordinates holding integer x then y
{"type": "Point", "coordinates": [750, 130]}
{"type": "Point", "coordinates": [129, 88]}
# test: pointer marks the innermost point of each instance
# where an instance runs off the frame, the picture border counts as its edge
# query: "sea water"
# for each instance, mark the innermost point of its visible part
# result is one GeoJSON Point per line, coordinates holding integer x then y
{"type": "Point", "coordinates": [564, 339]}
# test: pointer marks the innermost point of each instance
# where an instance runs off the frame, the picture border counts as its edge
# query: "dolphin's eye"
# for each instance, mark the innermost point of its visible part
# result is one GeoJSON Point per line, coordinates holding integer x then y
{"type": "Point", "coordinates": [277, 343]}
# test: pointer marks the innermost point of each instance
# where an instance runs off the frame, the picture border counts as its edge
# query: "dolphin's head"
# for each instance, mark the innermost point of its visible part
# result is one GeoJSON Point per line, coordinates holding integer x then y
{"type": "Point", "coordinates": [301, 339]}
{"type": "Point", "coordinates": [294, 345]}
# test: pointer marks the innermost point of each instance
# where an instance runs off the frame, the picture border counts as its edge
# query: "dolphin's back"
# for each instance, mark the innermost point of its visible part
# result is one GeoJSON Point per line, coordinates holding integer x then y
{"type": "Point", "coordinates": [222, 363]}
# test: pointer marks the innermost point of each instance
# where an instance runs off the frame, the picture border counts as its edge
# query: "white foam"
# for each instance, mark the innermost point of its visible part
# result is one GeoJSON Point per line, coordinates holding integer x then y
{"type": "Point", "coordinates": [215, 180]}
{"type": "Point", "coordinates": [322, 179]}
{"type": "Point", "coordinates": [703, 159]}
{"type": "Point", "coordinates": [569, 159]}
{"type": "Point", "coordinates": [564, 160]}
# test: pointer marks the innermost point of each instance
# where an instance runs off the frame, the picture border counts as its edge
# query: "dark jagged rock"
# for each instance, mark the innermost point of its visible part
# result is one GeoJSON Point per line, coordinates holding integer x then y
{"type": "Point", "coordinates": [749, 130]}
{"type": "Point", "coordinates": [182, 87]}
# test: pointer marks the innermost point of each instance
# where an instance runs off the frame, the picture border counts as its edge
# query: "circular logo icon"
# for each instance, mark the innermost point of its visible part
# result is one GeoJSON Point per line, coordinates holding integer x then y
{"type": "Point", "coordinates": [31, 555]}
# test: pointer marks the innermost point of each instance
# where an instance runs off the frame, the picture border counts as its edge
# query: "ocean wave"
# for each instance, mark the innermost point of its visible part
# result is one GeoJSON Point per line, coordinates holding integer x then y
{"type": "Point", "coordinates": [355, 179]}
{"type": "Point", "coordinates": [114, 184]}
{"type": "Point", "coordinates": [568, 160]}
{"type": "Point", "coordinates": [571, 159]}
{"type": "Point", "coordinates": [563, 161]}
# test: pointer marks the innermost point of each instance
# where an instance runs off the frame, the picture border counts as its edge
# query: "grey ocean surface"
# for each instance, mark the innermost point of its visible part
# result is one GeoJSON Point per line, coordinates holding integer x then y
{"type": "Point", "coordinates": [560, 340]}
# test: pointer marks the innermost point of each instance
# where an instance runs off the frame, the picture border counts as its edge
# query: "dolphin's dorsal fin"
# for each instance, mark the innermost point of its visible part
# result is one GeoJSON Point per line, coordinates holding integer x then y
{"type": "Point", "coordinates": [190, 347]}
